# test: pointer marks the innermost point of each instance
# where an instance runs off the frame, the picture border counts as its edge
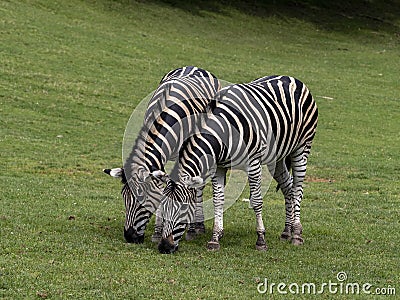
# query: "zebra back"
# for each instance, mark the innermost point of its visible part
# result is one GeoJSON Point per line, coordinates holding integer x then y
{"type": "Point", "coordinates": [246, 126]}
{"type": "Point", "coordinates": [268, 118]}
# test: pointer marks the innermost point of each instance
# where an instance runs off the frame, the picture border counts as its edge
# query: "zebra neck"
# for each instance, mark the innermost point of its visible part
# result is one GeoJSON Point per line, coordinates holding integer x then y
{"type": "Point", "coordinates": [145, 156]}
{"type": "Point", "coordinates": [194, 163]}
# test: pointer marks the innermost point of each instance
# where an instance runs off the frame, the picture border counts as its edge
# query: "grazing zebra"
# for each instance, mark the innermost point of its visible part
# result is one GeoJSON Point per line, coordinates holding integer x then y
{"type": "Point", "coordinates": [270, 121]}
{"type": "Point", "coordinates": [171, 116]}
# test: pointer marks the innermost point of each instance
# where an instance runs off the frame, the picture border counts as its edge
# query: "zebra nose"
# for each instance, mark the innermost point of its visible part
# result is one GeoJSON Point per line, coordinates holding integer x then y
{"type": "Point", "coordinates": [166, 245]}
{"type": "Point", "coordinates": [131, 236]}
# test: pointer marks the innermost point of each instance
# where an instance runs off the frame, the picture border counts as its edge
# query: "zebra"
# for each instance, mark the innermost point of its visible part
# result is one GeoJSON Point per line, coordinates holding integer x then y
{"type": "Point", "coordinates": [172, 114]}
{"type": "Point", "coordinates": [270, 121]}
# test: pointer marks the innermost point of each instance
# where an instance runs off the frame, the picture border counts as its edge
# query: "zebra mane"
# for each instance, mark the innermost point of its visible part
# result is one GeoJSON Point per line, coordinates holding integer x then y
{"type": "Point", "coordinates": [143, 155]}
{"type": "Point", "coordinates": [218, 96]}
{"type": "Point", "coordinates": [179, 193]}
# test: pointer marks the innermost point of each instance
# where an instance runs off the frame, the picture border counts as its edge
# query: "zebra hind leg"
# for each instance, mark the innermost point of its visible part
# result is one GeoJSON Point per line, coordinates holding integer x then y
{"type": "Point", "coordinates": [299, 166]}
{"type": "Point", "coordinates": [297, 238]}
{"type": "Point", "coordinates": [254, 175]}
{"type": "Point", "coordinates": [285, 182]}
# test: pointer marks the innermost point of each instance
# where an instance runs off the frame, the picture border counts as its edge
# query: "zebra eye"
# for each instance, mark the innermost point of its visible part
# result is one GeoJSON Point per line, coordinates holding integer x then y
{"type": "Point", "coordinates": [139, 191]}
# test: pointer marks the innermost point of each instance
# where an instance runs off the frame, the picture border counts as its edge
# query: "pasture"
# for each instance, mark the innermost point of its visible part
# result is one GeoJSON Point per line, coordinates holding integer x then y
{"type": "Point", "coordinates": [72, 72]}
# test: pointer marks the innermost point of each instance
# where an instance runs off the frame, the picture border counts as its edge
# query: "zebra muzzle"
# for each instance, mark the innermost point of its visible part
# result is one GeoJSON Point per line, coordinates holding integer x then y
{"type": "Point", "coordinates": [167, 246]}
{"type": "Point", "coordinates": [131, 236]}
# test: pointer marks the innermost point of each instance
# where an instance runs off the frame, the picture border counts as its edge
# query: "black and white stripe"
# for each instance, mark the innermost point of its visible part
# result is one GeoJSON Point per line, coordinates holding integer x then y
{"type": "Point", "coordinates": [270, 121]}
{"type": "Point", "coordinates": [172, 115]}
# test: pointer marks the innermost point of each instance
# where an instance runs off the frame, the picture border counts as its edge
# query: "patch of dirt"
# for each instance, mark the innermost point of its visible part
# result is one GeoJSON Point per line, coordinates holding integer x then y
{"type": "Point", "coordinates": [317, 179]}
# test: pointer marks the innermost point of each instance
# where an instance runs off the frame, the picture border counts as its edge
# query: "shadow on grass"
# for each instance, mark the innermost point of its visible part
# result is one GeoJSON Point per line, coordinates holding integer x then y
{"type": "Point", "coordinates": [340, 15]}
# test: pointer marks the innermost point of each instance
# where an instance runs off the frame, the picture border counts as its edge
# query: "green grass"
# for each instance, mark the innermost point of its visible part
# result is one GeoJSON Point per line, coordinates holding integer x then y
{"type": "Point", "coordinates": [71, 73]}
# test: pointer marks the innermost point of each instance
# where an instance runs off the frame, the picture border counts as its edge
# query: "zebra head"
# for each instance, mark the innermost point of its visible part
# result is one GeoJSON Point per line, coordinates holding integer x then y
{"type": "Point", "coordinates": [141, 196]}
{"type": "Point", "coordinates": [177, 210]}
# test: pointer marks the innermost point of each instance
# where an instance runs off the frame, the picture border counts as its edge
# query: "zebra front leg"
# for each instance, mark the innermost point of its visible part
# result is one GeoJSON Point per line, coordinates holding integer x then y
{"type": "Point", "coordinates": [285, 182]}
{"type": "Point", "coordinates": [254, 175]}
{"type": "Point", "coordinates": [191, 232]}
{"type": "Point", "coordinates": [218, 184]}
{"type": "Point", "coordinates": [197, 227]}
{"type": "Point", "coordinates": [299, 165]}
{"type": "Point", "coordinates": [158, 227]}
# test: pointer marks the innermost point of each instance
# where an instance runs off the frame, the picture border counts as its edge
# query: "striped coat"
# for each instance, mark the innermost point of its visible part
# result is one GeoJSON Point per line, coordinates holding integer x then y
{"type": "Point", "coordinates": [270, 121]}
{"type": "Point", "coordinates": [172, 115]}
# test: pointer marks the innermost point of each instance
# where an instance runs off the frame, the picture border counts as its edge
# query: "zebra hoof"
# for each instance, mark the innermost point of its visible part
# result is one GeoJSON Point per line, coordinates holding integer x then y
{"type": "Point", "coordinates": [262, 247]}
{"type": "Point", "coordinates": [286, 236]}
{"type": "Point", "coordinates": [200, 228]}
{"type": "Point", "coordinates": [213, 246]}
{"type": "Point", "coordinates": [297, 240]}
{"type": "Point", "coordinates": [156, 237]}
{"type": "Point", "coordinates": [190, 235]}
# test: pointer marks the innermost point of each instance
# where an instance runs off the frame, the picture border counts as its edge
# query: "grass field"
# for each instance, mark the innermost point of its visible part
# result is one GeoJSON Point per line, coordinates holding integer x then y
{"type": "Point", "coordinates": [71, 73]}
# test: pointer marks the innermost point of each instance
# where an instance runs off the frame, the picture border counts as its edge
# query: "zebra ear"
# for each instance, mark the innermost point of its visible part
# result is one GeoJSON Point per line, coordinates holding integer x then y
{"type": "Point", "coordinates": [160, 175]}
{"type": "Point", "coordinates": [116, 172]}
{"type": "Point", "coordinates": [142, 175]}
{"type": "Point", "coordinates": [194, 182]}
